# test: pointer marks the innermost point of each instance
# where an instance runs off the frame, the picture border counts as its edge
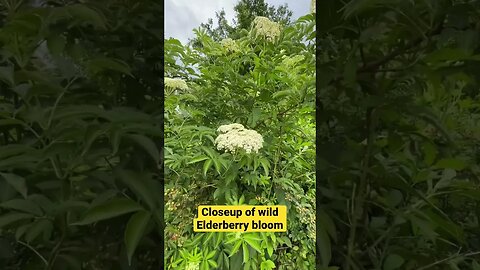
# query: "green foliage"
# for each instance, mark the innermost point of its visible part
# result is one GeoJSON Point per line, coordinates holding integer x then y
{"type": "Point", "coordinates": [80, 116]}
{"type": "Point", "coordinates": [398, 126]}
{"type": "Point", "coordinates": [245, 13]}
{"type": "Point", "coordinates": [265, 86]}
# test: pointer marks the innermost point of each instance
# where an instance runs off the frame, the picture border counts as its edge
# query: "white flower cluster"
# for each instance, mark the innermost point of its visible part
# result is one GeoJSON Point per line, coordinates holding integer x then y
{"type": "Point", "coordinates": [313, 7]}
{"type": "Point", "coordinates": [175, 83]}
{"type": "Point", "coordinates": [291, 62]}
{"type": "Point", "coordinates": [230, 45]}
{"type": "Point", "coordinates": [235, 136]}
{"type": "Point", "coordinates": [193, 266]}
{"type": "Point", "coordinates": [266, 28]}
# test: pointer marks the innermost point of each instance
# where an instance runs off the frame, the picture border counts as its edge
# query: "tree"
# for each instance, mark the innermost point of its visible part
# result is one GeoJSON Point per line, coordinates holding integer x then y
{"type": "Point", "coordinates": [245, 12]}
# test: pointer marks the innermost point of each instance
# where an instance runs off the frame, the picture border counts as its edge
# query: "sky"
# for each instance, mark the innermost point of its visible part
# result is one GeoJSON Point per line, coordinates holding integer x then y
{"type": "Point", "coordinates": [182, 16]}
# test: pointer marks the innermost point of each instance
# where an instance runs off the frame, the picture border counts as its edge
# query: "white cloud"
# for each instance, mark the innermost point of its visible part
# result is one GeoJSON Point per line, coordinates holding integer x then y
{"type": "Point", "coordinates": [182, 16]}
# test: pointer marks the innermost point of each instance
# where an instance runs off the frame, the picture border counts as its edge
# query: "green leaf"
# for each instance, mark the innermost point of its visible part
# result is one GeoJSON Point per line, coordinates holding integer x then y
{"type": "Point", "coordinates": [206, 166]}
{"type": "Point", "coordinates": [213, 264]}
{"type": "Point", "coordinates": [448, 54]}
{"type": "Point", "coordinates": [139, 184]}
{"type": "Point", "coordinates": [283, 93]}
{"type": "Point", "coordinates": [246, 253]}
{"type": "Point", "coordinates": [198, 159]}
{"type": "Point", "coordinates": [393, 261]}
{"type": "Point", "coordinates": [17, 182]}
{"type": "Point", "coordinates": [254, 244]}
{"type": "Point", "coordinates": [265, 164]}
{"type": "Point", "coordinates": [84, 14]}
{"type": "Point", "coordinates": [269, 249]}
{"type": "Point", "coordinates": [110, 209]}
{"type": "Point", "coordinates": [23, 205]}
{"type": "Point", "coordinates": [37, 228]}
{"type": "Point", "coordinates": [134, 232]}
{"type": "Point", "coordinates": [21, 230]}
{"type": "Point", "coordinates": [6, 75]}
{"type": "Point", "coordinates": [267, 265]}
{"type": "Point", "coordinates": [350, 71]}
{"type": "Point", "coordinates": [13, 217]}
{"type": "Point", "coordinates": [324, 245]}
{"type": "Point", "coordinates": [56, 44]}
{"type": "Point", "coordinates": [147, 144]}
{"type": "Point", "coordinates": [451, 163]}
{"type": "Point", "coordinates": [103, 64]}
{"type": "Point", "coordinates": [236, 247]}
{"type": "Point", "coordinates": [475, 265]}
{"type": "Point", "coordinates": [430, 153]}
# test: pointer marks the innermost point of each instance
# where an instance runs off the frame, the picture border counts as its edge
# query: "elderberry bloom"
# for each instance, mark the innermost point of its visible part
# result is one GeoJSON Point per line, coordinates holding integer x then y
{"type": "Point", "coordinates": [235, 137]}
{"type": "Point", "coordinates": [266, 28]}
{"type": "Point", "coordinates": [193, 266]}
{"type": "Point", "coordinates": [230, 45]}
{"type": "Point", "coordinates": [175, 83]}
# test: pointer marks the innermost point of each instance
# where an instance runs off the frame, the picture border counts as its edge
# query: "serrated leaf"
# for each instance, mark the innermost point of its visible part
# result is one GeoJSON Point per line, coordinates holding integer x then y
{"type": "Point", "coordinates": [134, 232]}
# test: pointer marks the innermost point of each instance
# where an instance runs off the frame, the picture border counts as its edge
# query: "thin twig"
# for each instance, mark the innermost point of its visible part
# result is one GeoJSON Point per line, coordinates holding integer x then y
{"type": "Point", "coordinates": [449, 259]}
{"type": "Point", "coordinates": [35, 251]}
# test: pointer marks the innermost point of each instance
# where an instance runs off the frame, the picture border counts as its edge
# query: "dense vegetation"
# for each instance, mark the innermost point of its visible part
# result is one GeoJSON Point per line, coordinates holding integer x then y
{"type": "Point", "coordinates": [80, 128]}
{"type": "Point", "coordinates": [398, 131]}
{"type": "Point", "coordinates": [265, 81]}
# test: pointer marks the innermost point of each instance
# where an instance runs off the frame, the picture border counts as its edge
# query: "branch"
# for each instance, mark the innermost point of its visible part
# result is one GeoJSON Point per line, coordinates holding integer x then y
{"type": "Point", "coordinates": [376, 64]}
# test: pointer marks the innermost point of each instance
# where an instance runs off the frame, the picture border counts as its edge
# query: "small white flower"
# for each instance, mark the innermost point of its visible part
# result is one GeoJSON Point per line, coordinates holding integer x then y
{"type": "Point", "coordinates": [230, 45]}
{"type": "Point", "coordinates": [235, 137]}
{"type": "Point", "coordinates": [175, 83]}
{"type": "Point", "coordinates": [266, 28]}
{"type": "Point", "coordinates": [193, 266]}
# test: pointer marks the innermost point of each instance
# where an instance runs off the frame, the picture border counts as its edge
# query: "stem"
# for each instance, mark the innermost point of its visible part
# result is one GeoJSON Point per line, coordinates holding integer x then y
{"type": "Point", "coordinates": [361, 193]}
{"type": "Point", "coordinates": [65, 190]}
{"type": "Point", "coordinates": [449, 258]}
{"type": "Point", "coordinates": [35, 251]}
